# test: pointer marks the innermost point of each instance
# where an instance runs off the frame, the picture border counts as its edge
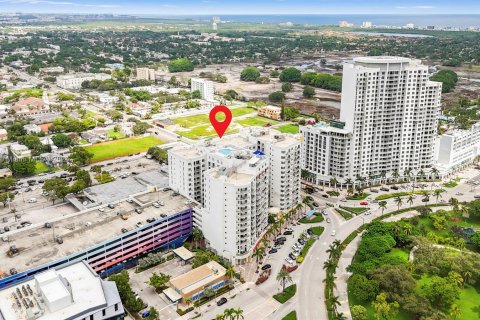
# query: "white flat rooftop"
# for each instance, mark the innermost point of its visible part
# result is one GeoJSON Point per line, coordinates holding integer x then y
{"type": "Point", "coordinates": [87, 292]}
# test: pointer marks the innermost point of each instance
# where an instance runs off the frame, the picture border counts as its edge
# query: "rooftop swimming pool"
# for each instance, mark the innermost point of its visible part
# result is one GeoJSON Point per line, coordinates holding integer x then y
{"type": "Point", "coordinates": [225, 151]}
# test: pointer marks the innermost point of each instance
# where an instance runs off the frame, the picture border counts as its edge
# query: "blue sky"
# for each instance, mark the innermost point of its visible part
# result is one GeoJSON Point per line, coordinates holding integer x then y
{"type": "Point", "coordinates": [198, 7]}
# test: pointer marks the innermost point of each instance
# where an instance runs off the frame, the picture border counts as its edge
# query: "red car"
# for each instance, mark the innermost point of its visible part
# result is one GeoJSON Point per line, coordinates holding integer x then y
{"type": "Point", "coordinates": [364, 203]}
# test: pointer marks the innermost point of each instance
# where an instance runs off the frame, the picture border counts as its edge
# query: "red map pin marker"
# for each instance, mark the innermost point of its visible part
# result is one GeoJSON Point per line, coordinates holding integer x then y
{"type": "Point", "coordinates": [220, 126]}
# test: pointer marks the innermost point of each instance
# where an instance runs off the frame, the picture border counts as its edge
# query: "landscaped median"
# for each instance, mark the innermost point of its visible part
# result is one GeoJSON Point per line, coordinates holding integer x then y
{"type": "Point", "coordinates": [346, 215]}
{"type": "Point", "coordinates": [398, 194]}
{"type": "Point", "coordinates": [355, 210]}
{"type": "Point", "coordinates": [358, 196]}
{"type": "Point", "coordinates": [316, 219]}
{"type": "Point", "coordinates": [284, 296]}
{"type": "Point", "coordinates": [291, 316]}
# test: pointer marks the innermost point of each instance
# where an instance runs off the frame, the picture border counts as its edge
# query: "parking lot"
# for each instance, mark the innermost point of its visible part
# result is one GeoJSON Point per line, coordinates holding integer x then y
{"type": "Point", "coordinates": [139, 283]}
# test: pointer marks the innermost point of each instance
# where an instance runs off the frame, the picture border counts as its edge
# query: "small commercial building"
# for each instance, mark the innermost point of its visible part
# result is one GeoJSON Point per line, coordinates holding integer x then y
{"type": "Point", "coordinates": [271, 112]}
{"type": "Point", "coordinates": [192, 285]}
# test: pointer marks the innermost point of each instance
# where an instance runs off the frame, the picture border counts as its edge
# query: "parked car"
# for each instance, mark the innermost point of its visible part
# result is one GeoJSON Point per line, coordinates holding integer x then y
{"type": "Point", "coordinates": [139, 224]}
{"type": "Point", "coordinates": [291, 256]}
{"type": "Point", "coordinates": [32, 200]}
{"type": "Point", "coordinates": [281, 239]}
{"type": "Point", "coordinates": [363, 203]}
{"type": "Point", "coordinates": [111, 206]}
{"type": "Point", "coordinates": [394, 187]}
{"type": "Point", "coordinates": [328, 220]}
{"type": "Point", "coordinates": [101, 209]}
{"type": "Point", "coordinates": [150, 220]}
{"type": "Point", "coordinates": [384, 189]}
{"type": "Point", "coordinates": [156, 205]}
{"type": "Point", "coordinates": [334, 233]}
{"type": "Point", "coordinates": [315, 204]}
{"type": "Point", "coordinates": [310, 198]}
{"type": "Point", "coordinates": [477, 196]}
{"type": "Point", "coordinates": [374, 190]}
{"type": "Point", "coordinates": [267, 266]}
{"type": "Point", "coordinates": [129, 200]}
{"type": "Point", "coordinates": [325, 195]}
{"type": "Point", "coordinates": [288, 260]}
{"type": "Point", "coordinates": [222, 301]}
{"type": "Point", "coordinates": [288, 232]}
{"type": "Point", "coordinates": [138, 210]}
{"type": "Point", "coordinates": [301, 241]}
{"type": "Point", "coordinates": [272, 251]}
{"type": "Point", "coordinates": [124, 230]}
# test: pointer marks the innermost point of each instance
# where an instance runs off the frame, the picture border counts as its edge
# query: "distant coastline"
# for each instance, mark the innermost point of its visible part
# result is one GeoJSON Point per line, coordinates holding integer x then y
{"type": "Point", "coordinates": [437, 20]}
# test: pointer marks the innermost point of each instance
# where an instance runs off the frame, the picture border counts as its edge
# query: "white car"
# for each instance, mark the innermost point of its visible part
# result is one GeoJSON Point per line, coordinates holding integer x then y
{"type": "Point", "coordinates": [334, 233]}
{"type": "Point", "coordinates": [32, 200]}
{"type": "Point", "coordinates": [101, 209]}
{"type": "Point", "coordinates": [156, 205]}
{"type": "Point", "coordinates": [288, 260]}
{"type": "Point", "coordinates": [161, 203]}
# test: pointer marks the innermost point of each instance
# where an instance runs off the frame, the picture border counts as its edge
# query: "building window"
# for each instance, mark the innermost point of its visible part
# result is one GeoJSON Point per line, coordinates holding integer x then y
{"type": "Point", "coordinates": [116, 306]}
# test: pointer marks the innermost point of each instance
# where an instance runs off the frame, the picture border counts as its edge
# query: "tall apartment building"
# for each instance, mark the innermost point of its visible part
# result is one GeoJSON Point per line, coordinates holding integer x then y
{"type": "Point", "coordinates": [74, 81]}
{"type": "Point", "coordinates": [235, 211]}
{"type": "Point", "coordinates": [325, 151]}
{"type": "Point", "coordinates": [457, 147]}
{"type": "Point", "coordinates": [284, 153]}
{"type": "Point", "coordinates": [390, 108]}
{"type": "Point", "coordinates": [205, 87]}
{"type": "Point", "coordinates": [145, 74]}
{"type": "Point", "coordinates": [190, 174]}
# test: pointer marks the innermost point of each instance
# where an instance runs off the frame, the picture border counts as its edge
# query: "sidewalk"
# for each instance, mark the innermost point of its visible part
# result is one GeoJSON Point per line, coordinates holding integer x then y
{"type": "Point", "coordinates": [342, 276]}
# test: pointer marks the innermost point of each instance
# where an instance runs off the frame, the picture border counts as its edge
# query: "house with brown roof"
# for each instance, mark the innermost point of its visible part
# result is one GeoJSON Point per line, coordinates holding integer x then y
{"type": "Point", "coordinates": [30, 105]}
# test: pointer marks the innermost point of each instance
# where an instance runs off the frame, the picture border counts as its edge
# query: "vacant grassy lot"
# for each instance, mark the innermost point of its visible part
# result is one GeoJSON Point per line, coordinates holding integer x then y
{"type": "Point", "coordinates": [203, 119]}
{"type": "Point", "coordinates": [40, 167]}
{"type": "Point", "coordinates": [256, 121]}
{"type": "Point", "coordinates": [201, 132]}
{"type": "Point", "coordinates": [121, 147]}
{"type": "Point", "coordinates": [112, 134]}
{"type": "Point", "coordinates": [288, 128]}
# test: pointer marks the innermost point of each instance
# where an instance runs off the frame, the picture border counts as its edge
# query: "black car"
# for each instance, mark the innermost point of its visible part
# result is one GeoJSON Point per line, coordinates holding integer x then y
{"type": "Point", "coordinates": [325, 195]}
{"type": "Point", "coordinates": [288, 232]}
{"type": "Point", "coordinates": [374, 190]}
{"type": "Point", "coordinates": [279, 243]}
{"type": "Point", "coordinates": [150, 220]}
{"type": "Point", "coordinates": [394, 187]}
{"type": "Point", "coordinates": [384, 189]}
{"type": "Point", "coordinates": [291, 256]}
{"type": "Point", "coordinates": [309, 231]}
{"type": "Point", "coordinates": [111, 206]}
{"type": "Point", "coordinates": [266, 267]}
{"type": "Point", "coordinates": [222, 301]}
{"type": "Point", "coordinates": [425, 200]}
{"type": "Point", "coordinates": [272, 251]}
{"type": "Point", "coordinates": [281, 239]}
{"type": "Point", "coordinates": [309, 198]}
{"type": "Point", "coordinates": [301, 241]}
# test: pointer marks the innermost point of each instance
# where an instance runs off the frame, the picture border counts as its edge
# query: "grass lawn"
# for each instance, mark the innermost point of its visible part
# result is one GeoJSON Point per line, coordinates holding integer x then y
{"type": "Point", "coordinates": [291, 316]}
{"type": "Point", "coordinates": [91, 113]}
{"type": "Point", "coordinates": [122, 147]}
{"type": "Point", "coordinates": [355, 210]}
{"type": "Point", "coordinates": [40, 167]}
{"type": "Point", "coordinates": [112, 134]}
{"type": "Point", "coordinates": [317, 230]}
{"type": "Point", "coordinates": [318, 218]}
{"type": "Point", "coordinates": [400, 253]}
{"type": "Point", "coordinates": [397, 194]}
{"type": "Point", "coordinates": [304, 251]}
{"type": "Point", "coordinates": [203, 119]}
{"type": "Point", "coordinates": [333, 193]}
{"type": "Point", "coordinates": [450, 184]}
{"type": "Point", "coordinates": [346, 215]}
{"type": "Point", "coordinates": [288, 128]}
{"type": "Point", "coordinates": [202, 131]}
{"type": "Point", "coordinates": [469, 303]}
{"type": "Point", "coordinates": [287, 294]}
{"type": "Point", "coordinates": [358, 196]}
{"type": "Point", "coordinates": [256, 121]}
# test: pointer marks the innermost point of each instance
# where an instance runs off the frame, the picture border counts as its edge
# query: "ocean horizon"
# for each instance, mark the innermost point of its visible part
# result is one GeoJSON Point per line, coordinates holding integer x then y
{"type": "Point", "coordinates": [424, 20]}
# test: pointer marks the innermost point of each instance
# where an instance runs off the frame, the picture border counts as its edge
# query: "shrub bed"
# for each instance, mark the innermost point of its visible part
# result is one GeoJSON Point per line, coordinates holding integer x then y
{"type": "Point", "coordinates": [287, 294]}
{"type": "Point", "coordinates": [355, 210]}
{"type": "Point", "coordinates": [346, 215]}
{"type": "Point", "coordinates": [358, 196]}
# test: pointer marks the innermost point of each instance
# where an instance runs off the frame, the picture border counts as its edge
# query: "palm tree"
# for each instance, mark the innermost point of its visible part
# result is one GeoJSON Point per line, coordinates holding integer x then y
{"type": "Point", "coordinates": [434, 171]}
{"type": "Point", "coordinates": [466, 275]}
{"type": "Point", "coordinates": [455, 311]}
{"type": "Point", "coordinates": [421, 173]}
{"type": "Point", "coordinates": [229, 313]}
{"type": "Point", "coordinates": [395, 174]}
{"type": "Point", "coordinates": [305, 202]}
{"type": "Point", "coordinates": [383, 175]}
{"type": "Point", "coordinates": [333, 181]}
{"type": "Point", "coordinates": [197, 235]}
{"type": "Point", "coordinates": [238, 313]}
{"type": "Point", "coordinates": [410, 199]}
{"type": "Point", "coordinates": [426, 196]}
{"type": "Point", "coordinates": [334, 303]}
{"type": "Point", "coordinates": [329, 265]}
{"type": "Point", "coordinates": [454, 203]}
{"type": "Point", "coordinates": [340, 316]}
{"type": "Point", "coordinates": [399, 202]}
{"type": "Point", "coordinates": [438, 193]}
{"type": "Point", "coordinates": [383, 205]}
{"type": "Point", "coordinates": [407, 172]}
{"type": "Point", "coordinates": [284, 277]}
{"type": "Point", "coordinates": [264, 242]}
{"type": "Point", "coordinates": [334, 251]}
{"type": "Point", "coordinates": [258, 253]}
{"type": "Point", "coordinates": [230, 273]}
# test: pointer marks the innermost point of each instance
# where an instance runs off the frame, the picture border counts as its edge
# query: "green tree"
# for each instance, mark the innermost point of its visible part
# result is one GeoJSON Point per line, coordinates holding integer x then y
{"type": "Point", "coordinates": [180, 65]}
{"type": "Point", "coordinates": [362, 288]}
{"type": "Point", "coordinates": [277, 96]}
{"type": "Point", "coordinates": [80, 156]}
{"type": "Point", "coordinates": [290, 74]}
{"type": "Point", "coordinates": [140, 127]}
{"type": "Point", "coordinates": [57, 188]}
{"type": "Point", "coordinates": [23, 167]}
{"type": "Point", "coordinates": [250, 74]}
{"type": "Point", "coordinates": [83, 175]}
{"type": "Point", "coordinates": [284, 277]}
{"type": "Point", "coordinates": [158, 281]}
{"type": "Point", "coordinates": [196, 94]}
{"type": "Point", "coordinates": [287, 87]}
{"type": "Point", "coordinates": [5, 197]}
{"type": "Point", "coordinates": [290, 113]}
{"type": "Point", "coordinates": [153, 314]}
{"type": "Point", "coordinates": [7, 182]}
{"type": "Point", "coordinates": [308, 92]}
{"type": "Point", "coordinates": [441, 292]}
{"type": "Point", "coordinates": [61, 140]}
{"type": "Point", "coordinates": [359, 312]}
{"type": "Point", "coordinates": [383, 309]}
